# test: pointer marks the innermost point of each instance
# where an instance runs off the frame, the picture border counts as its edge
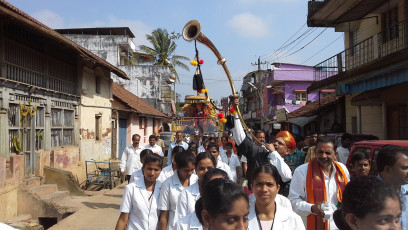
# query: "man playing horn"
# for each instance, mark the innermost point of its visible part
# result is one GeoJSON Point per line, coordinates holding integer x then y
{"type": "Point", "coordinates": [258, 153]}
{"type": "Point", "coordinates": [317, 187]}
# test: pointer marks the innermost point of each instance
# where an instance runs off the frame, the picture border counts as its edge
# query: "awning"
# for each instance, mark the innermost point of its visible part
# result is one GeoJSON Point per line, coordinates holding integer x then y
{"type": "Point", "coordinates": [302, 121]}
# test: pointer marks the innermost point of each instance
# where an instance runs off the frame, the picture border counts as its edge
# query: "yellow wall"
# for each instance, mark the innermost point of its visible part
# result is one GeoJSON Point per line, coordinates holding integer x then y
{"type": "Point", "coordinates": [93, 104]}
{"type": "Point", "coordinates": [371, 121]}
{"type": "Point", "coordinates": [351, 111]}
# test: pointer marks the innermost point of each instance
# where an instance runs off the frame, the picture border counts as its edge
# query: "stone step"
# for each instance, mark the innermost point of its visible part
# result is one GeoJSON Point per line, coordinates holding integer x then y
{"type": "Point", "coordinates": [43, 189]}
{"type": "Point", "coordinates": [55, 196]}
{"type": "Point", "coordinates": [31, 182]}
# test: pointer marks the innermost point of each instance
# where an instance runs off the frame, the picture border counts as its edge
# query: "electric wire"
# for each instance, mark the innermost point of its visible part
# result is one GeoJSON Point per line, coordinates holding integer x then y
{"type": "Point", "coordinates": [302, 46]}
{"type": "Point", "coordinates": [322, 49]}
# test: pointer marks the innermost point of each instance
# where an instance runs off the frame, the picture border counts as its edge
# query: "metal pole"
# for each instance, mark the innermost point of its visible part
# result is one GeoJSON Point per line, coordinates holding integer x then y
{"type": "Point", "coordinates": [174, 90]}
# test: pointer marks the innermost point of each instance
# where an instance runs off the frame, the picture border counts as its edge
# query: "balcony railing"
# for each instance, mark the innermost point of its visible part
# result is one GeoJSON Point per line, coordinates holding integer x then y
{"type": "Point", "coordinates": [20, 74]}
{"type": "Point", "coordinates": [387, 42]}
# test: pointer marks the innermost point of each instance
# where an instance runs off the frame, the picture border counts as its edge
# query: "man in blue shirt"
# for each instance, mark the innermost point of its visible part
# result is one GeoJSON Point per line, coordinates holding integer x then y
{"type": "Point", "coordinates": [179, 142]}
{"type": "Point", "coordinates": [392, 166]}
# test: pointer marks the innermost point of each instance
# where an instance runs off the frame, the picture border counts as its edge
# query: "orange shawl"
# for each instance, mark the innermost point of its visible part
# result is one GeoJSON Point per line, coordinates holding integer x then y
{"type": "Point", "coordinates": [316, 191]}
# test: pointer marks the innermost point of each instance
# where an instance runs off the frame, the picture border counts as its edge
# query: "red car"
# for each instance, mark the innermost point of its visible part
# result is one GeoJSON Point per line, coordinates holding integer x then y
{"type": "Point", "coordinates": [372, 148]}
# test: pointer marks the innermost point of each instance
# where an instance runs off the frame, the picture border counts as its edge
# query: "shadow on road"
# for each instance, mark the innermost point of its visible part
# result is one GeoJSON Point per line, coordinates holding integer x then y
{"type": "Point", "coordinates": [101, 205]}
{"type": "Point", "coordinates": [113, 195]}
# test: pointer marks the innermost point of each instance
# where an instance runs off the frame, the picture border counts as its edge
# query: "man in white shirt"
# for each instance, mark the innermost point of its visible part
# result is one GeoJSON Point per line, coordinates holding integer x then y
{"type": "Point", "coordinates": [130, 161]}
{"type": "Point", "coordinates": [232, 160]}
{"type": "Point", "coordinates": [215, 151]}
{"type": "Point", "coordinates": [179, 142]}
{"type": "Point", "coordinates": [152, 146]}
{"type": "Point", "coordinates": [343, 150]}
{"type": "Point", "coordinates": [257, 152]}
{"type": "Point", "coordinates": [308, 191]}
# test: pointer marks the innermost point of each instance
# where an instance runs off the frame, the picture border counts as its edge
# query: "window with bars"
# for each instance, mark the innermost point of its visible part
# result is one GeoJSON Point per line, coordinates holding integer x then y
{"type": "Point", "coordinates": [20, 128]}
{"type": "Point", "coordinates": [389, 25]}
{"type": "Point", "coordinates": [62, 127]}
{"type": "Point", "coordinates": [301, 96]}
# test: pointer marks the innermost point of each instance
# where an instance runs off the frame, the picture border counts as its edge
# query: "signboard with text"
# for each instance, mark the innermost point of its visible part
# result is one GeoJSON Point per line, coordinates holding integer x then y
{"type": "Point", "coordinates": [281, 115]}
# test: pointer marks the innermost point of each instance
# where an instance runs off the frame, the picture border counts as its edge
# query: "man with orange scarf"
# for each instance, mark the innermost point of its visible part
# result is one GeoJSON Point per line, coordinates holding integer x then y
{"type": "Point", "coordinates": [317, 187]}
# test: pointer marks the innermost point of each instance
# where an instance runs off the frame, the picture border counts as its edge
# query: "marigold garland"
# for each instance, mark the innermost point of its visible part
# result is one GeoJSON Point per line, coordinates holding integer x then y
{"type": "Point", "coordinates": [25, 110]}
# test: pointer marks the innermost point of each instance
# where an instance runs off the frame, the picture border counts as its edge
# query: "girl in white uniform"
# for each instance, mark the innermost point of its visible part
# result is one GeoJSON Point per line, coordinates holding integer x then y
{"type": "Point", "coordinates": [173, 186]}
{"type": "Point", "coordinates": [169, 170]}
{"type": "Point", "coordinates": [266, 213]}
{"type": "Point", "coordinates": [139, 209]}
{"type": "Point", "coordinates": [190, 221]}
{"type": "Point", "coordinates": [223, 206]}
{"type": "Point", "coordinates": [190, 195]}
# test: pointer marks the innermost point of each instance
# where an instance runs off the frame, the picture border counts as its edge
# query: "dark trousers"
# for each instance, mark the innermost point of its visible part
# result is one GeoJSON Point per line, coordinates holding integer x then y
{"type": "Point", "coordinates": [127, 177]}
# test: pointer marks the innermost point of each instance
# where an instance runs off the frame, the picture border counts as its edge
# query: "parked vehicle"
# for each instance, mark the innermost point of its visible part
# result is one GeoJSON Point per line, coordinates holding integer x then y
{"type": "Point", "coordinates": [372, 148]}
{"type": "Point", "coordinates": [354, 138]}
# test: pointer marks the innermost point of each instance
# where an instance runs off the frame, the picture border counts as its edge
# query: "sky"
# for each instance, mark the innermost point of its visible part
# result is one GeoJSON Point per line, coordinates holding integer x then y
{"type": "Point", "coordinates": [241, 30]}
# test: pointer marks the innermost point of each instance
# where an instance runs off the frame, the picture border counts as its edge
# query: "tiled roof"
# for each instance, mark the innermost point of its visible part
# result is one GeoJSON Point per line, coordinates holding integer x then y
{"type": "Point", "coordinates": [314, 107]}
{"type": "Point", "coordinates": [25, 19]}
{"type": "Point", "coordinates": [133, 101]}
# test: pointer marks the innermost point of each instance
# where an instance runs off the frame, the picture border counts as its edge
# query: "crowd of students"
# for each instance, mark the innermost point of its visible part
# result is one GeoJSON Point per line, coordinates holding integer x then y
{"type": "Point", "coordinates": [199, 190]}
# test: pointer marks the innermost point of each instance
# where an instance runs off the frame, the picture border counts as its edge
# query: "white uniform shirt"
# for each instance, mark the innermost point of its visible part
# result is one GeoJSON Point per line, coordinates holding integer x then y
{"type": "Point", "coordinates": [284, 219]}
{"type": "Point", "coordinates": [232, 162]}
{"type": "Point", "coordinates": [189, 222]}
{"type": "Point", "coordinates": [343, 154]}
{"type": "Point", "coordinates": [167, 172]}
{"type": "Point", "coordinates": [156, 149]}
{"type": "Point", "coordinates": [221, 165]}
{"type": "Point", "coordinates": [298, 195]}
{"type": "Point", "coordinates": [244, 159]}
{"type": "Point", "coordinates": [200, 149]}
{"type": "Point", "coordinates": [169, 196]}
{"type": "Point", "coordinates": [130, 160]}
{"type": "Point", "coordinates": [404, 199]}
{"type": "Point", "coordinates": [283, 168]}
{"type": "Point", "coordinates": [187, 200]}
{"type": "Point", "coordinates": [139, 174]}
{"type": "Point", "coordinates": [143, 214]}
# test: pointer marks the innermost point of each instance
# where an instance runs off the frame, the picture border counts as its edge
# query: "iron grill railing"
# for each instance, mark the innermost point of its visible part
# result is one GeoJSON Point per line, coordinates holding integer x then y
{"type": "Point", "coordinates": [387, 42]}
{"type": "Point", "coordinates": [27, 65]}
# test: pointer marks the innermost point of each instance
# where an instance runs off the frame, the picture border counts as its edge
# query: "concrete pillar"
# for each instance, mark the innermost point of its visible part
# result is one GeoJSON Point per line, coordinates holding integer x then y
{"type": "Point", "coordinates": [47, 126]}
{"type": "Point", "coordinates": [376, 47]}
{"type": "Point", "coordinates": [359, 119]}
{"type": "Point", "coordinates": [4, 133]}
{"type": "Point", "coordinates": [3, 172]}
{"type": "Point", "coordinates": [384, 120]}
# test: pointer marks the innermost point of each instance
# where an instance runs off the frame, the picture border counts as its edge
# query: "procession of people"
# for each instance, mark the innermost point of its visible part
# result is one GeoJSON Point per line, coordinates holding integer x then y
{"type": "Point", "coordinates": [280, 186]}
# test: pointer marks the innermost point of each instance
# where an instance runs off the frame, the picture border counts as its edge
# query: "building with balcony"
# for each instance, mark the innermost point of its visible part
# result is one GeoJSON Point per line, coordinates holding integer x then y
{"type": "Point", "coordinates": [115, 45]}
{"type": "Point", "coordinates": [372, 71]}
{"type": "Point", "coordinates": [55, 105]}
{"type": "Point", "coordinates": [282, 88]}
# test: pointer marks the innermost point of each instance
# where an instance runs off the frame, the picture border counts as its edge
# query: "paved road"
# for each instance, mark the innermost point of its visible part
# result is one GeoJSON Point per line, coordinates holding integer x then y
{"type": "Point", "coordinates": [99, 212]}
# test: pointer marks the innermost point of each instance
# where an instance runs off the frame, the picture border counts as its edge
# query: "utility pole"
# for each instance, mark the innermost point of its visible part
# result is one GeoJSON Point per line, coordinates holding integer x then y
{"type": "Point", "coordinates": [259, 63]}
{"type": "Point", "coordinates": [260, 89]}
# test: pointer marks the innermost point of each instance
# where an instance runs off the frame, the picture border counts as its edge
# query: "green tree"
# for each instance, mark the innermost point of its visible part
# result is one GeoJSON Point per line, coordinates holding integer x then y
{"type": "Point", "coordinates": [162, 49]}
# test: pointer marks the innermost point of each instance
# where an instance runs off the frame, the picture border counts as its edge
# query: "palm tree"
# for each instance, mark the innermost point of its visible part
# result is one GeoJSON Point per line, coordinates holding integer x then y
{"type": "Point", "coordinates": [163, 49]}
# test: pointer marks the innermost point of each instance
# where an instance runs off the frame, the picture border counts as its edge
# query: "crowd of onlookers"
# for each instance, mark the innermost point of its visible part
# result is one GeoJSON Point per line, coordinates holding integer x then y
{"type": "Point", "coordinates": [240, 181]}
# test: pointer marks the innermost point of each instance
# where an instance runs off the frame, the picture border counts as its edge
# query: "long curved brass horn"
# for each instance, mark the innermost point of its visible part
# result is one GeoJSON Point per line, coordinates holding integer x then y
{"type": "Point", "coordinates": [192, 31]}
